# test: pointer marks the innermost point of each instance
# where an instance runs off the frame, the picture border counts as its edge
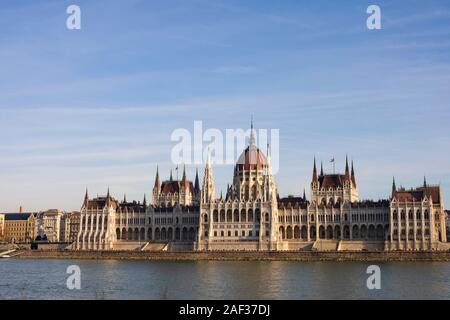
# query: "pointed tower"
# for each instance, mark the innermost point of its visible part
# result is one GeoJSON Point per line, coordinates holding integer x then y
{"type": "Point", "coordinates": [394, 187]}
{"type": "Point", "coordinates": [353, 176]}
{"type": "Point", "coordinates": [86, 198]}
{"type": "Point", "coordinates": [156, 189]}
{"type": "Point", "coordinates": [108, 198]}
{"type": "Point", "coordinates": [252, 134]}
{"type": "Point", "coordinates": [321, 168]}
{"type": "Point", "coordinates": [208, 190]}
{"type": "Point", "coordinates": [347, 171]}
{"type": "Point", "coordinates": [314, 177]}
{"type": "Point", "coordinates": [304, 194]}
{"type": "Point", "coordinates": [314, 184]}
{"type": "Point", "coordinates": [124, 198]}
{"type": "Point", "coordinates": [196, 183]}
{"type": "Point", "coordinates": [144, 203]}
{"type": "Point", "coordinates": [157, 182]}
{"type": "Point", "coordinates": [424, 181]}
{"type": "Point", "coordinates": [171, 178]}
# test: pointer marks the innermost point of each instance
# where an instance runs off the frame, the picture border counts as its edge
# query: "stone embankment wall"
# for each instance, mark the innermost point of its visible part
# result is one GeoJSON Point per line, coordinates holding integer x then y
{"type": "Point", "coordinates": [238, 256]}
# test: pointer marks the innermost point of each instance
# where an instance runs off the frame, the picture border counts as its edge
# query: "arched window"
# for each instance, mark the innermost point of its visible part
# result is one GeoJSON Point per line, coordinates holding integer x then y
{"type": "Point", "coordinates": [236, 215]}
{"type": "Point", "coordinates": [250, 215]}
{"type": "Point", "coordinates": [229, 216]}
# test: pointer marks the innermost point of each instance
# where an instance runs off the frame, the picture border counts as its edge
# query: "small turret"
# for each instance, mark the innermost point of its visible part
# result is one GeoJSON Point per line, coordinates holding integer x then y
{"type": "Point", "coordinates": [157, 182]}
{"type": "Point", "coordinates": [86, 198]}
{"type": "Point", "coordinates": [314, 177]}
{"type": "Point", "coordinates": [347, 171]}
{"type": "Point", "coordinates": [197, 183]}
{"type": "Point", "coordinates": [353, 175]}
{"type": "Point", "coordinates": [144, 203]}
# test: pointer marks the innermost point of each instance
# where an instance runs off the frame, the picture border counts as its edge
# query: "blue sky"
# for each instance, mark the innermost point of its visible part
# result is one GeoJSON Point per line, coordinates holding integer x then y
{"type": "Point", "coordinates": [96, 107]}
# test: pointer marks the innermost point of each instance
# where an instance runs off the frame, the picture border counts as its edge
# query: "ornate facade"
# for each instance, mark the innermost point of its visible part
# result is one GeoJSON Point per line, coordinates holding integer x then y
{"type": "Point", "coordinates": [252, 216]}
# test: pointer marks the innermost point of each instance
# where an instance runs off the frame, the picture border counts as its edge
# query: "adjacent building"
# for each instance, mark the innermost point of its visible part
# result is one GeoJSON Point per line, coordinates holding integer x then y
{"type": "Point", "coordinates": [20, 227]}
{"type": "Point", "coordinates": [52, 224]}
{"type": "Point", "coordinates": [2, 227]}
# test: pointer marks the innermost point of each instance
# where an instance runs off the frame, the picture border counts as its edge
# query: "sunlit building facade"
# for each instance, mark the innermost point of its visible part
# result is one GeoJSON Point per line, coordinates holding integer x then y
{"type": "Point", "coordinates": [252, 216]}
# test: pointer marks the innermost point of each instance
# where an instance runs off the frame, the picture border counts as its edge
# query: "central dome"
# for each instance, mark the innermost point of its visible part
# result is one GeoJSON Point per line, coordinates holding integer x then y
{"type": "Point", "coordinates": [252, 159]}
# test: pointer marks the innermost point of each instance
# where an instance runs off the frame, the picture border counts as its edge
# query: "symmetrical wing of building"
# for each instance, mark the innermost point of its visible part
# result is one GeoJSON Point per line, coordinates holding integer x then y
{"type": "Point", "coordinates": [252, 216]}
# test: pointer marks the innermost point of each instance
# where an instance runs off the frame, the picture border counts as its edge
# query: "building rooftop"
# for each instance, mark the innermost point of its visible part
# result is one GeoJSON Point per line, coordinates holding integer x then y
{"type": "Point", "coordinates": [17, 216]}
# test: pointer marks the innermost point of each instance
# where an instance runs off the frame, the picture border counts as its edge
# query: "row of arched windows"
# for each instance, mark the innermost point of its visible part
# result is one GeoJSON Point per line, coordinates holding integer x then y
{"type": "Point", "coordinates": [411, 215]}
{"type": "Point", "coordinates": [235, 216]}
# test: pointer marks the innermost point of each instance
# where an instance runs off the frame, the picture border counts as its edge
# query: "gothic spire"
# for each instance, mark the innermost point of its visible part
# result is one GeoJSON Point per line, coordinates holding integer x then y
{"type": "Point", "coordinates": [304, 194]}
{"type": "Point", "coordinates": [347, 171]}
{"type": "Point", "coordinates": [314, 178]}
{"type": "Point", "coordinates": [394, 188]}
{"type": "Point", "coordinates": [252, 135]}
{"type": "Point", "coordinates": [171, 178]}
{"type": "Point", "coordinates": [197, 183]}
{"type": "Point", "coordinates": [124, 198]}
{"type": "Point", "coordinates": [424, 181]}
{"type": "Point", "coordinates": [157, 183]}
{"type": "Point", "coordinates": [144, 203]}
{"type": "Point", "coordinates": [184, 174]}
{"type": "Point", "coordinates": [321, 168]}
{"type": "Point", "coordinates": [208, 190]}
{"type": "Point", "coordinates": [86, 197]}
{"type": "Point", "coordinates": [353, 175]}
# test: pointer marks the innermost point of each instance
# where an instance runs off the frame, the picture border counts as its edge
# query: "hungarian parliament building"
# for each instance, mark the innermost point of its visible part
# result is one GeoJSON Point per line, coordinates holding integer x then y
{"type": "Point", "coordinates": [252, 216]}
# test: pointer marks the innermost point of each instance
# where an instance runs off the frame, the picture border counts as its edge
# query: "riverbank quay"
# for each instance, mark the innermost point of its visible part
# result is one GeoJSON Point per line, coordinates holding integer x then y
{"type": "Point", "coordinates": [307, 256]}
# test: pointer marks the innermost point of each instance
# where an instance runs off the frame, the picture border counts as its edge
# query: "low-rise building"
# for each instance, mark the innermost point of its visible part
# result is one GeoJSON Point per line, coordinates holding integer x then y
{"type": "Point", "coordinates": [20, 227]}
{"type": "Point", "coordinates": [52, 224]}
{"type": "Point", "coordinates": [72, 225]}
{"type": "Point", "coordinates": [2, 226]}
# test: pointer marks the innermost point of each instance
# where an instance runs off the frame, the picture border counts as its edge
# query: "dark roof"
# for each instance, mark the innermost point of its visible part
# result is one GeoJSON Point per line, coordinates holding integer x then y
{"type": "Point", "coordinates": [419, 194]}
{"type": "Point", "coordinates": [333, 180]}
{"type": "Point", "coordinates": [292, 202]}
{"type": "Point", "coordinates": [17, 216]}
{"type": "Point", "coordinates": [100, 202]}
{"type": "Point", "coordinates": [162, 208]}
{"type": "Point", "coordinates": [370, 203]}
{"type": "Point", "coordinates": [132, 207]}
{"type": "Point", "coordinates": [175, 186]}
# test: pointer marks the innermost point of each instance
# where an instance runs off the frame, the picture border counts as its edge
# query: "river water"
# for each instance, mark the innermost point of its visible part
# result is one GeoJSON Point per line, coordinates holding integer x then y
{"type": "Point", "coordinates": [109, 279]}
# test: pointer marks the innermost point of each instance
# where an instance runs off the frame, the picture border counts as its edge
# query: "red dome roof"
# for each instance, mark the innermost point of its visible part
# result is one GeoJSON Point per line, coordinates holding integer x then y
{"type": "Point", "coordinates": [252, 158]}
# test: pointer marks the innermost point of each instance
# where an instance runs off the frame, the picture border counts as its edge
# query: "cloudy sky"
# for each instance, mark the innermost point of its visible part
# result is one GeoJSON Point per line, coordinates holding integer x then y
{"type": "Point", "coordinates": [96, 107]}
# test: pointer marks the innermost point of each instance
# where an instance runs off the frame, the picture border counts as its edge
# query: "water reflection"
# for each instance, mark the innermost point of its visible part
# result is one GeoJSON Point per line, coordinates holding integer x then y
{"type": "Point", "coordinates": [109, 279]}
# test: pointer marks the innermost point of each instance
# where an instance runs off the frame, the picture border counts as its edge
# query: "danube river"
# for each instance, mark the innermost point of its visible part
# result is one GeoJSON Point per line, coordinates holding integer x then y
{"type": "Point", "coordinates": [108, 279]}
